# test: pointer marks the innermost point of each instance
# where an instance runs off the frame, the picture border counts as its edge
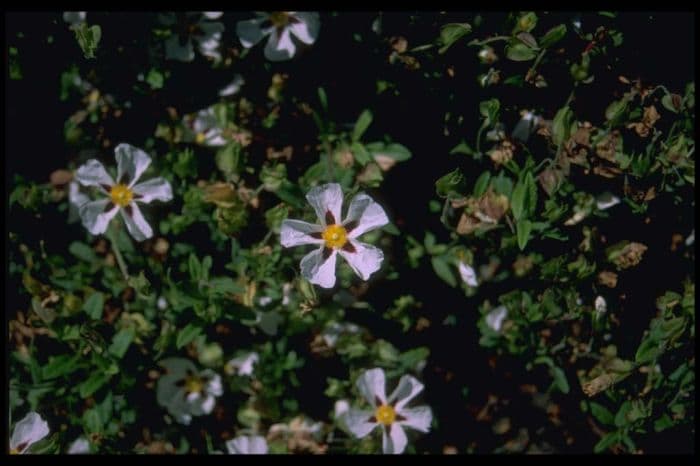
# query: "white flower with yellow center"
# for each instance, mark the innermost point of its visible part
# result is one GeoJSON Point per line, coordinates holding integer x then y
{"type": "Point", "coordinates": [390, 413]}
{"type": "Point", "coordinates": [185, 392]}
{"type": "Point", "coordinates": [247, 445]}
{"type": "Point", "coordinates": [281, 26]}
{"type": "Point", "coordinates": [335, 237]}
{"type": "Point", "coordinates": [122, 195]}
{"type": "Point", "coordinates": [204, 128]}
{"type": "Point", "coordinates": [27, 432]}
{"type": "Point", "coordinates": [243, 364]}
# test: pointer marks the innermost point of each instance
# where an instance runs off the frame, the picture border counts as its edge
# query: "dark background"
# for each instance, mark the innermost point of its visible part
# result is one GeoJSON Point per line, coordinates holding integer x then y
{"type": "Point", "coordinates": [658, 48]}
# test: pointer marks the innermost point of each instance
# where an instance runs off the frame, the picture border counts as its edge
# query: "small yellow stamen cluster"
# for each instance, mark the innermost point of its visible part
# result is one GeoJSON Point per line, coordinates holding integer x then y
{"type": "Point", "coordinates": [193, 384]}
{"type": "Point", "coordinates": [335, 236]}
{"type": "Point", "coordinates": [279, 18]}
{"type": "Point", "coordinates": [200, 138]}
{"type": "Point", "coordinates": [121, 195]}
{"type": "Point", "coordinates": [14, 451]}
{"type": "Point", "coordinates": [385, 414]}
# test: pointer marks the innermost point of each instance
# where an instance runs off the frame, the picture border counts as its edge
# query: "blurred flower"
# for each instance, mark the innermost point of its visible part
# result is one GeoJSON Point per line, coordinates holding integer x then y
{"type": "Point", "coordinates": [363, 215]}
{"type": "Point", "coordinates": [243, 364]}
{"type": "Point", "coordinates": [301, 435]}
{"type": "Point", "coordinates": [186, 392]}
{"type": "Point", "coordinates": [468, 274]}
{"type": "Point", "coordinates": [192, 26]}
{"type": "Point", "coordinates": [690, 239]}
{"type": "Point", "coordinates": [205, 128]}
{"type": "Point", "coordinates": [247, 445]}
{"type": "Point", "coordinates": [389, 413]}
{"type": "Point", "coordinates": [528, 124]}
{"type": "Point", "coordinates": [233, 87]}
{"type": "Point", "coordinates": [334, 330]}
{"type": "Point", "coordinates": [601, 306]}
{"type": "Point", "coordinates": [487, 55]}
{"type": "Point", "coordinates": [494, 319]}
{"type": "Point", "coordinates": [162, 303]}
{"type": "Point", "coordinates": [80, 446]}
{"type": "Point", "coordinates": [28, 431]}
{"type": "Point", "coordinates": [606, 200]}
{"type": "Point", "coordinates": [280, 26]}
{"type": "Point", "coordinates": [74, 17]}
{"type": "Point", "coordinates": [122, 195]}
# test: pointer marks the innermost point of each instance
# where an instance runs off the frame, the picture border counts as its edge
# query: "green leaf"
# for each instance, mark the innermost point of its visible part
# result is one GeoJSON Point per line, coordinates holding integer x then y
{"type": "Point", "coordinates": [94, 305]}
{"type": "Point", "coordinates": [601, 413]}
{"type": "Point", "coordinates": [228, 158]}
{"type": "Point", "coordinates": [121, 341]}
{"type": "Point", "coordinates": [621, 416]}
{"type": "Point", "coordinates": [450, 33]}
{"type": "Point", "coordinates": [195, 268]}
{"type": "Point", "coordinates": [482, 183]}
{"type": "Point", "coordinates": [443, 270]}
{"type": "Point", "coordinates": [88, 38]}
{"type": "Point", "coordinates": [463, 148]}
{"type": "Point", "coordinates": [59, 366]}
{"type": "Point", "coordinates": [530, 205]}
{"type": "Point", "coordinates": [92, 421]}
{"type": "Point", "coordinates": [395, 151]}
{"type": "Point", "coordinates": [517, 200]}
{"type": "Point", "coordinates": [616, 110]}
{"type": "Point", "coordinates": [92, 384]}
{"type": "Point", "coordinates": [360, 153]}
{"type": "Point", "coordinates": [561, 126]}
{"type": "Point", "coordinates": [361, 125]}
{"type": "Point", "coordinates": [225, 285]}
{"type": "Point", "coordinates": [518, 51]}
{"type": "Point", "coordinates": [450, 184]}
{"type": "Point", "coordinates": [489, 110]}
{"type": "Point", "coordinates": [187, 334]}
{"type": "Point", "coordinates": [323, 98]}
{"type": "Point", "coordinates": [559, 376]}
{"type": "Point", "coordinates": [553, 36]}
{"type": "Point", "coordinates": [663, 423]}
{"type": "Point", "coordinates": [82, 251]}
{"type": "Point", "coordinates": [608, 440]}
{"type": "Point", "coordinates": [523, 228]}
{"type": "Point", "coordinates": [155, 79]}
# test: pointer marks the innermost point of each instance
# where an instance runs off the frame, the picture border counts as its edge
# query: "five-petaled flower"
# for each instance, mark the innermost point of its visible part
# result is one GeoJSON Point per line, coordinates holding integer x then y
{"type": "Point", "coordinates": [247, 445]}
{"type": "Point", "coordinates": [28, 431]}
{"type": "Point", "coordinates": [336, 237]}
{"type": "Point", "coordinates": [186, 392]}
{"type": "Point", "coordinates": [280, 26]}
{"type": "Point", "coordinates": [390, 413]}
{"type": "Point", "coordinates": [122, 195]}
{"type": "Point", "coordinates": [191, 26]}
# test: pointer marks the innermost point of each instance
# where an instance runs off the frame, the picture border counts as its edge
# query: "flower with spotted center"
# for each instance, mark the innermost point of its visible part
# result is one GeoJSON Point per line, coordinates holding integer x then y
{"type": "Point", "coordinates": [28, 431]}
{"type": "Point", "coordinates": [281, 26]}
{"type": "Point", "coordinates": [185, 392]}
{"type": "Point", "coordinates": [122, 196]}
{"type": "Point", "coordinates": [390, 412]}
{"type": "Point", "coordinates": [335, 237]}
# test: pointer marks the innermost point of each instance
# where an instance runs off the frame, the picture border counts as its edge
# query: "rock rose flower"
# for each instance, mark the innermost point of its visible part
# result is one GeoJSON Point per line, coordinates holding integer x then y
{"type": "Point", "coordinates": [280, 26]}
{"type": "Point", "coordinates": [335, 237]}
{"type": "Point", "coordinates": [186, 392]}
{"type": "Point", "coordinates": [28, 431]}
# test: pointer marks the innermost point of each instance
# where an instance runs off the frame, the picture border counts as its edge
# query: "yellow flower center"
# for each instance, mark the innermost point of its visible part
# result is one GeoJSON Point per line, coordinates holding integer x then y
{"type": "Point", "coordinates": [335, 236]}
{"type": "Point", "coordinates": [200, 138]}
{"type": "Point", "coordinates": [193, 384]}
{"type": "Point", "coordinates": [279, 18]}
{"type": "Point", "coordinates": [385, 414]}
{"type": "Point", "coordinates": [121, 195]}
{"type": "Point", "coordinates": [14, 451]}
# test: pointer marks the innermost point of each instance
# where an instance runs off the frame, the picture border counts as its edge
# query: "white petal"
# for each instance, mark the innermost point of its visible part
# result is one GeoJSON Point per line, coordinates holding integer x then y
{"type": "Point", "coordinates": [212, 14]}
{"type": "Point", "coordinates": [306, 30]}
{"type": "Point", "coordinates": [326, 198]}
{"type": "Point", "coordinates": [137, 225]}
{"type": "Point", "coordinates": [154, 189]}
{"type": "Point", "coordinates": [417, 418]}
{"type": "Point", "coordinates": [357, 422]}
{"type": "Point", "coordinates": [244, 364]}
{"type": "Point", "coordinates": [690, 239]}
{"type": "Point", "coordinates": [316, 270]}
{"type": "Point", "coordinates": [93, 173]}
{"type": "Point", "coordinates": [205, 120]}
{"type": "Point", "coordinates": [341, 408]}
{"type": "Point", "coordinates": [214, 138]}
{"type": "Point", "coordinates": [213, 386]}
{"type": "Point", "coordinates": [367, 213]}
{"type": "Point", "coordinates": [175, 50]}
{"type": "Point", "coordinates": [207, 405]}
{"type": "Point", "coordinates": [75, 196]}
{"type": "Point", "coordinates": [74, 17]}
{"type": "Point", "coordinates": [131, 163]}
{"type": "Point", "coordinates": [600, 305]}
{"type": "Point", "coordinates": [280, 46]}
{"type": "Point", "coordinates": [233, 87]}
{"type": "Point", "coordinates": [29, 430]}
{"type": "Point", "coordinates": [253, 444]}
{"type": "Point", "coordinates": [365, 260]}
{"type": "Point", "coordinates": [494, 319]}
{"type": "Point", "coordinates": [606, 200]}
{"type": "Point", "coordinates": [296, 233]}
{"type": "Point", "coordinates": [249, 31]}
{"type": "Point", "coordinates": [80, 446]}
{"type": "Point", "coordinates": [94, 217]}
{"type": "Point", "coordinates": [405, 391]}
{"type": "Point", "coordinates": [372, 385]}
{"type": "Point", "coordinates": [468, 274]}
{"type": "Point", "coordinates": [395, 441]}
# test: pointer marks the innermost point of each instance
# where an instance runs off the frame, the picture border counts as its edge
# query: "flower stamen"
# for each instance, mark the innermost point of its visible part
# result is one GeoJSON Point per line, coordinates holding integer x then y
{"type": "Point", "coordinates": [194, 384]}
{"type": "Point", "coordinates": [385, 414]}
{"type": "Point", "coordinates": [335, 236]}
{"type": "Point", "coordinates": [121, 195]}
